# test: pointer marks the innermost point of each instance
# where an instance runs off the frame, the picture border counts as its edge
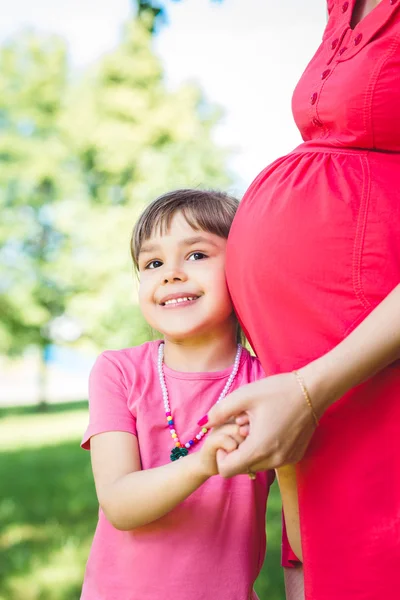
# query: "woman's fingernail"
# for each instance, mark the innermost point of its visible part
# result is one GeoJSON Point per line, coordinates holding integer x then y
{"type": "Point", "coordinates": [203, 421]}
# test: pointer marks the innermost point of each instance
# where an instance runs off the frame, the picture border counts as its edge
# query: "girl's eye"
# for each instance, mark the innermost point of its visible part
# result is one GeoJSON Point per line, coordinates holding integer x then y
{"type": "Point", "coordinates": [154, 264]}
{"type": "Point", "coordinates": [197, 256]}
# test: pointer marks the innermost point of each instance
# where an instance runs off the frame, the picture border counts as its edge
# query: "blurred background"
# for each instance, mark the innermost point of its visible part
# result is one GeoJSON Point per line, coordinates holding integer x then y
{"type": "Point", "coordinates": [104, 105]}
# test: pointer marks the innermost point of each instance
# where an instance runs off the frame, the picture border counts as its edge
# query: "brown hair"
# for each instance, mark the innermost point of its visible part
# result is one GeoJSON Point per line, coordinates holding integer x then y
{"type": "Point", "coordinates": [208, 210]}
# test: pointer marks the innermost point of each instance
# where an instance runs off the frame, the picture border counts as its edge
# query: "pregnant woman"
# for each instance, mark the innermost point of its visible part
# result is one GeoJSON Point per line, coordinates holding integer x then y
{"type": "Point", "coordinates": [314, 270]}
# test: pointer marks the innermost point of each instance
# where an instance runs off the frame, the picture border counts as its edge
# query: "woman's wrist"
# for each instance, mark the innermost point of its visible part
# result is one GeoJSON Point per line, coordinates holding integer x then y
{"type": "Point", "coordinates": [326, 380]}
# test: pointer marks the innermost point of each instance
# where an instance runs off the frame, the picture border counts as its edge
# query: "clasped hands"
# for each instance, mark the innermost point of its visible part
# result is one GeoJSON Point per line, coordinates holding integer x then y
{"type": "Point", "coordinates": [274, 423]}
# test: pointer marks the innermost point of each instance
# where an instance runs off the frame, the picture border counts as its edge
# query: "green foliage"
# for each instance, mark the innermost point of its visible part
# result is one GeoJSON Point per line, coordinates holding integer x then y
{"type": "Point", "coordinates": [78, 160]}
{"type": "Point", "coordinates": [133, 140]}
{"type": "Point", "coordinates": [33, 78]}
{"type": "Point", "coordinates": [153, 12]}
{"type": "Point", "coordinates": [47, 520]}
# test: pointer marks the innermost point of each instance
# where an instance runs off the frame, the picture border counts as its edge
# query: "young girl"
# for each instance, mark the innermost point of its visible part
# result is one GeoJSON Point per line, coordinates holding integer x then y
{"type": "Point", "coordinates": [167, 527]}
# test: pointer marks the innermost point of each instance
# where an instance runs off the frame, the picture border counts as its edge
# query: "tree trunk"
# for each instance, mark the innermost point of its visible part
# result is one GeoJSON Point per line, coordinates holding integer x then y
{"type": "Point", "coordinates": [43, 377]}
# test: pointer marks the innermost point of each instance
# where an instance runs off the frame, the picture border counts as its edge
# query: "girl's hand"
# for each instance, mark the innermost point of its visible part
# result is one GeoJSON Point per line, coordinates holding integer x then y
{"type": "Point", "coordinates": [280, 425]}
{"type": "Point", "coordinates": [244, 424]}
{"type": "Point", "coordinates": [225, 438]}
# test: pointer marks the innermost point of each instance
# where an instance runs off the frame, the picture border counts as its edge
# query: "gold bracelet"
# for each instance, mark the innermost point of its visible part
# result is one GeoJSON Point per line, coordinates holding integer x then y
{"type": "Point", "coordinates": [306, 395]}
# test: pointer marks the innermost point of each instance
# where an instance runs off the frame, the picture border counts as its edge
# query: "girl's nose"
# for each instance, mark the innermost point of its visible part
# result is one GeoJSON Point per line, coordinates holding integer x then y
{"type": "Point", "coordinates": [174, 275]}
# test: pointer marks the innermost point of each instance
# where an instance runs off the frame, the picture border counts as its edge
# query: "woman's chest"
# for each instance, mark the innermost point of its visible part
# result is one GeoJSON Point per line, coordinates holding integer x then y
{"type": "Point", "coordinates": [349, 92]}
{"type": "Point", "coordinates": [361, 9]}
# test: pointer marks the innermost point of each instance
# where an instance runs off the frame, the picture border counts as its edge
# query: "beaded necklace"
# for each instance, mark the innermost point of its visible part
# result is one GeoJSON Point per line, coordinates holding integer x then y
{"type": "Point", "coordinates": [180, 449]}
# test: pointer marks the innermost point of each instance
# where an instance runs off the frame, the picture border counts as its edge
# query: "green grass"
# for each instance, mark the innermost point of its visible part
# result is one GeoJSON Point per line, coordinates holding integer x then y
{"type": "Point", "coordinates": [48, 508]}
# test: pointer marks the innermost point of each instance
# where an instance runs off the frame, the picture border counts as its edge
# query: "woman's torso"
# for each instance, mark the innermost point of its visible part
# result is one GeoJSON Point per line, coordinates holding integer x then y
{"type": "Point", "coordinates": [330, 208]}
{"type": "Point", "coordinates": [314, 248]}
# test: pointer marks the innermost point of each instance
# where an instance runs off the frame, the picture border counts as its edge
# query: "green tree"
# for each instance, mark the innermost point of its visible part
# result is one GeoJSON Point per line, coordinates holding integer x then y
{"type": "Point", "coordinates": [78, 161]}
{"type": "Point", "coordinates": [151, 12]}
{"type": "Point", "coordinates": [33, 180]}
{"type": "Point", "coordinates": [134, 139]}
{"type": "Point", "coordinates": [154, 11]}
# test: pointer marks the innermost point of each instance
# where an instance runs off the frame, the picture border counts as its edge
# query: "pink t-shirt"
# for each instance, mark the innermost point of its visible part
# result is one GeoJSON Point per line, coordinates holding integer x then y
{"type": "Point", "coordinates": [210, 546]}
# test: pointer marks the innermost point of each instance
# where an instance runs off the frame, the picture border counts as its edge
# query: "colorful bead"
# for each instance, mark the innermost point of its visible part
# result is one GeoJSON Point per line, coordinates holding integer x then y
{"type": "Point", "coordinates": [204, 430]}
{"type": "Point", "coordinates": [169, 418]}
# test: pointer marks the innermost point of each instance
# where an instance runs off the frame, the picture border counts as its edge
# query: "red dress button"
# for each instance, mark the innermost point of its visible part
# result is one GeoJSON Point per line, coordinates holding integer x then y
{"type": "Point", "coordinates": [342, 50]}
{"type": "Point", "coordinates": [345, 6]}
{"type": "Point", "coordinates": [358, 39]}
{"type": "Point", "coordinates": [314, 98]}
{"type": "Point", "coordinates": [317, 122]}
{"type": "Point", "coordinates": [334, 43]}
{"type": "Point", "coordinates": [325, 74]}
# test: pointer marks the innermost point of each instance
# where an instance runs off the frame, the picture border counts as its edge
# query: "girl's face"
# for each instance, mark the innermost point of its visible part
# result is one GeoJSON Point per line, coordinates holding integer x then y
{"type": "Point", "coordinates": [183, 292]}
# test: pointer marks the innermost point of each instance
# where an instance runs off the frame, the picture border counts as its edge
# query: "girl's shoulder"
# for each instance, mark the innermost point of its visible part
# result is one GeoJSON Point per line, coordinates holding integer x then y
{"type": "Point", "coordinates": [252, 369]}
{"type": "Point", "coordinates": [132, 355]}
{"type": "Point", "coordinates": [125, 362]}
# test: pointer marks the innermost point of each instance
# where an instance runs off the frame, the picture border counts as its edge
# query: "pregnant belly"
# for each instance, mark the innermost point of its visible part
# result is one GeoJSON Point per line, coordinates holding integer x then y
{"type": "Point", "coordinates": [314, 247]}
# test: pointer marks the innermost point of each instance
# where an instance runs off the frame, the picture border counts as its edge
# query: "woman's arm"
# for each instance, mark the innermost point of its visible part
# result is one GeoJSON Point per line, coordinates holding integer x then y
{"type": "Point", "coordinates": [130, 497]}
{"type": "Point", "coordinates": [373, 345]}
{"type": "Point", "coordinates": [281, 423]}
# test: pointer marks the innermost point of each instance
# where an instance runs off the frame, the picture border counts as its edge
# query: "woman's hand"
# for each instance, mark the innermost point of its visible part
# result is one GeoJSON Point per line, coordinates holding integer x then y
{"type": "Point", "coordinates": [280, 425]}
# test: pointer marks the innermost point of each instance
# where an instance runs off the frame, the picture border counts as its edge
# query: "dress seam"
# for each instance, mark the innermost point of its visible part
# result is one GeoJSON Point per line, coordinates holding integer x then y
{"type": "Point", "coordinates": [357, 321]}
{"type": "Point", "coordinates": [368, 116]}
{"type": "Point", "coordinates": [360, 234]}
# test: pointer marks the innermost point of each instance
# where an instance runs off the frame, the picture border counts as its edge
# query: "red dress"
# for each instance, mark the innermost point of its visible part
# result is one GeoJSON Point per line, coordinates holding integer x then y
{"type": "Point", "coordinates": [314, 248]}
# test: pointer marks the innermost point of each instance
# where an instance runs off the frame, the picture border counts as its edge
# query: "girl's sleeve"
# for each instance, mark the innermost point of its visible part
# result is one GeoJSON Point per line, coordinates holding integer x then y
{"type": "Point", "coordinates": [108, 395]}
{"type": "Point", "coordinates": [289, 559]}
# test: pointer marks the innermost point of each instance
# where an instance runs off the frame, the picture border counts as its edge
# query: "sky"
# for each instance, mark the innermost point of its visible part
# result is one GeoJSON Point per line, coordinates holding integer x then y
{"type": "Point", "coordinates": [246, 55]}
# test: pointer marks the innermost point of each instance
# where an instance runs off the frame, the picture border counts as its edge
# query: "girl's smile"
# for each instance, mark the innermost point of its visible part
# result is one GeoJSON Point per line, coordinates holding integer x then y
{"type": "Point", "coordinates": [179, 300]}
